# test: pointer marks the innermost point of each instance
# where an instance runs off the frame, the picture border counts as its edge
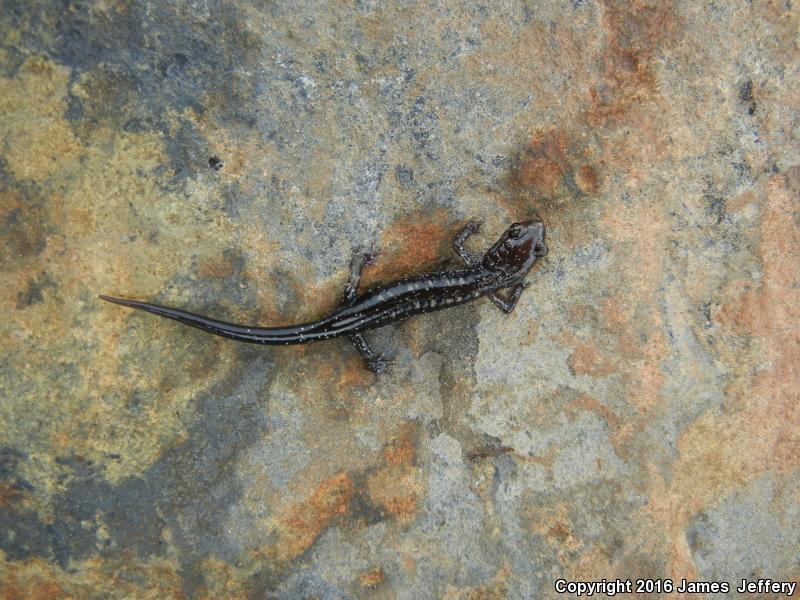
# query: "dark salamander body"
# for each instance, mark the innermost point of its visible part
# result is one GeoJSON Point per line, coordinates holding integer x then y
{"type": "Point", "coordinates": [504, 266]}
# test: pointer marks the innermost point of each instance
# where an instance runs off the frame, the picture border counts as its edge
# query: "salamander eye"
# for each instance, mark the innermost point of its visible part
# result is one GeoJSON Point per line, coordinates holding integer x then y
{"type": "Point", "coordinates": [515, 232]}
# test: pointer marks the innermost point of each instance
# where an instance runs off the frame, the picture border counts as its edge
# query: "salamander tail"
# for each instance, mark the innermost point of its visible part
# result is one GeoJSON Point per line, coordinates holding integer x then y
{"type": "Point", "coordinates": [241, 333]}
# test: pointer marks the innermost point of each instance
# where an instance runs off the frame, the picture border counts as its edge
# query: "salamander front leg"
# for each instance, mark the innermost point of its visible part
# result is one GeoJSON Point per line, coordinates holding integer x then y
{"type": "Point", "coordinates": [356, 265]}
{"type": "Point", "coordinates": [458, 243]}
{"type": "Point", "coordinates": [377, 363]}
{"type": "Point", "coordinates": [508, 305]}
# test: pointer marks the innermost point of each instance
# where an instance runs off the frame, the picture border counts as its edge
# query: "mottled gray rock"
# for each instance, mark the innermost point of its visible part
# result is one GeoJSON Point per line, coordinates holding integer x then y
{"type": "Point", "coordinates": [636, 416]}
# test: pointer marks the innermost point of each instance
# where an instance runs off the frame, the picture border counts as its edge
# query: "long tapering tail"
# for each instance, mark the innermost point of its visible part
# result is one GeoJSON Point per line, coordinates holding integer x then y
{"type": "Point", "coordinates": [297, 334]}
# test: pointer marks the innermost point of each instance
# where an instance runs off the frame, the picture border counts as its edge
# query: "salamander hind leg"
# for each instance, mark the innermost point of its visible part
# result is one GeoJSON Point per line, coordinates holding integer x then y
{"type": "Point", "coordinates": [378, 363]}
{"type": "Point", "coordinates": [507, 306]}
{"type": "Point", "coordinates": [359, 261]}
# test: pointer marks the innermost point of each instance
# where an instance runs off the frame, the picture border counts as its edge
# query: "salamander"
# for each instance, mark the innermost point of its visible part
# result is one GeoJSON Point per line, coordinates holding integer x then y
{"type": "Point", "coordinates": [503, 267]}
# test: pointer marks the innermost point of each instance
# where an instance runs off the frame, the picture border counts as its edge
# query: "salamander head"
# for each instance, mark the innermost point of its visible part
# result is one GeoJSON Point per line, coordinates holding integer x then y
{"type": "Point", "coordinates": [517, 249]}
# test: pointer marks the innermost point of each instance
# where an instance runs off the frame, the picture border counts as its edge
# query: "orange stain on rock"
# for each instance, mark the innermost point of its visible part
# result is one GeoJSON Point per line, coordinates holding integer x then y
{"type": "Point", "coordinates": [587, 360]}
{"type": "Point", "coordinates": [372, 578]}
{"type": "Point", "coordinates": [740, 202]}
{"type": "Point", "coordinates": [336, 391]}
{"type": "Point", "coordinates": [631, 342]}
{"type": "Point", "coordinates": [635, 31]}
{"type": "Point", "coordinates": [217, 268]}
{"type": "Point", "coordinates": [318, 300]}
{"type": "Point", "coordinates": [771, 313]}
{"type": "Point", "coordinates": [397, 491]}
{"type": "Point", "coordinates": [587, 179]}
{"type": "Point", "coordinates": [720, 454]}
{"type": "Point", "coordinates": [10, 493]}
{"type": "Point", "coordinates": [397, 487]}
{"type": "Point", "coordinates": [586, 402]}
{"type": "Point", "coordinates": [550, 158]}
{"type": "Point", "coordinates": [34, 579]}
{"type": "Point", "coordinates": [353, 374]}
{"type": "Point", "coordinates": [400, 451]}
{"type": "Point", "coordinates": [642, 233]}
{"type": "Point", "coordinates": [541, 174]}
{"type": "Point", "coordinates": [544, 163]}
{"type": "Point", "coordinates": [409, 245]}
{"type": "Point", "coordinates": [29, 580]}
{"type": "Point", "coordinates": [300, 528]}
{"type": "Point", "coordinates": [616, 314]}
{"type": "Point", "coordinates": [409, 563]}
{"type": "Point", "coordinates": [553, 523]}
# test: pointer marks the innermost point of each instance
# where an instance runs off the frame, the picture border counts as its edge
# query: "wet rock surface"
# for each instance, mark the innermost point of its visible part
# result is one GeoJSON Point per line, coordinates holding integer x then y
{"type": "Point", "coordinates": [636, 416]}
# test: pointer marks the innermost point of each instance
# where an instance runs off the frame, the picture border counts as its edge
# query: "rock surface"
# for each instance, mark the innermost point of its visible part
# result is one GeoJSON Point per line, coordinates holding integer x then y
{"type": "Point", "coordinates": [636, 416]}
